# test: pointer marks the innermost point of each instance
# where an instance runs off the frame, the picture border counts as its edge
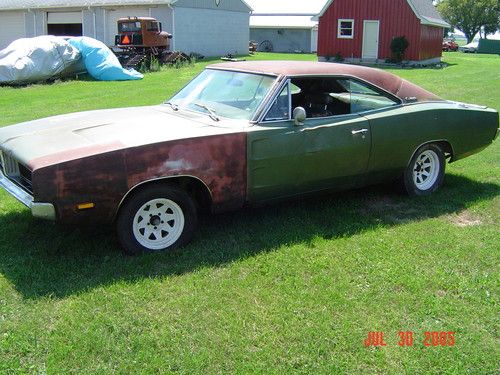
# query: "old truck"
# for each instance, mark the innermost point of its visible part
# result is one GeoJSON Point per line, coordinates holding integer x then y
{"type": "Point", "coordinates": [140, 39]}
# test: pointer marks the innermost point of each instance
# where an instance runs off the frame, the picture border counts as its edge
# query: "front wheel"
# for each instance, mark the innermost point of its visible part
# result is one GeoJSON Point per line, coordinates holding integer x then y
{"type": "Point", "coordinates": [425, 173]}
{"type": "Point", "coordinates": [157, 218]}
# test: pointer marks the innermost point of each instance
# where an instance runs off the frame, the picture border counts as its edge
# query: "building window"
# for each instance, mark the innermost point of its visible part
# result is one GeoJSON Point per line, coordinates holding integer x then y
{"type": "Point", "coordinates": [345, 29]}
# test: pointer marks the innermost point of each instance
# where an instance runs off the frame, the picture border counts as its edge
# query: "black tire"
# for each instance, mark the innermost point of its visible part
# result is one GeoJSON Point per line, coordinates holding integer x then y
{"type": "Point", "coordinates": [136, 220]}
{"type": "Point", "coordinates": [428, 159]}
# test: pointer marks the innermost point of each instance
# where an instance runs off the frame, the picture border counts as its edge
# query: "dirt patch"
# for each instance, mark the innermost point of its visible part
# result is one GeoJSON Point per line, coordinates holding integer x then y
{"type": "Point", "coordinates": [465, 219]}
{"type": "Point", "coordinates": [390, 210]}
{"type": "Point", "coordinates": [440, 293]}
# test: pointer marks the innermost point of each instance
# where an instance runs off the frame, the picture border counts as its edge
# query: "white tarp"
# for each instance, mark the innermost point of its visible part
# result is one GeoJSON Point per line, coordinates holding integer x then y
{"type": "Point", "coordinates": [37, 59]}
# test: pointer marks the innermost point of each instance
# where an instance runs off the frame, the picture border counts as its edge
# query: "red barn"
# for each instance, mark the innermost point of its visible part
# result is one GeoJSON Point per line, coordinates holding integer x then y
{"type": "Point", "coordinates": [363, 29]}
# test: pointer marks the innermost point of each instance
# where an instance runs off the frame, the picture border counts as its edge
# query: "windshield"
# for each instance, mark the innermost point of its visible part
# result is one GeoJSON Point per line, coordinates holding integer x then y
{"type": "Point", "coordinates": [222, 93]}
{"type": "Point", "coordinates": [125, 27]}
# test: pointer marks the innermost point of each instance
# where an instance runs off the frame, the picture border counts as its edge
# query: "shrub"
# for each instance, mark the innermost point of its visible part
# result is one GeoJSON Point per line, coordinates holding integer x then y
{"type": "Point", "coordinates": [399, 46]}
{"type": "Point", "coordinates": [338, 57]}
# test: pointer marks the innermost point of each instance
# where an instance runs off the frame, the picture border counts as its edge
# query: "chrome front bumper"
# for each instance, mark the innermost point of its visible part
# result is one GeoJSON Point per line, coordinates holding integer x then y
{"type": "Point", "coordinates": [39, 210]}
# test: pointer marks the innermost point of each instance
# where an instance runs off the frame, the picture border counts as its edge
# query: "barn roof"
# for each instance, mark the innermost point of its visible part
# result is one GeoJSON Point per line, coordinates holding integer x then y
{"type": "Point", "coordinates": [423, 9]}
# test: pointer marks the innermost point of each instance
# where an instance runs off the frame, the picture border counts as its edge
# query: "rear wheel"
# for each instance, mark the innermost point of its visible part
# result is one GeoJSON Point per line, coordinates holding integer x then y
{"type": "Point", "coordinates": [157, 218]}
{"type": "Point", "coordinates": [425, 173]}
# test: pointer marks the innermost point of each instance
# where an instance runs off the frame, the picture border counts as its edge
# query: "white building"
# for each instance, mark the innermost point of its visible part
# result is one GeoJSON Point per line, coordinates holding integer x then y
{"type": "Point", "coordinates": [286, 26]}
{"type": "Point", "coordinates": [208, 27]}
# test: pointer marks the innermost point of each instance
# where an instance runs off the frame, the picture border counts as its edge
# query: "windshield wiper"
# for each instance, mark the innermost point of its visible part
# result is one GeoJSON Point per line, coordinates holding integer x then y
{"type": "Point", "coordinates": [175, 107]}
{"type": "Point", "coordinates": [211, 112]}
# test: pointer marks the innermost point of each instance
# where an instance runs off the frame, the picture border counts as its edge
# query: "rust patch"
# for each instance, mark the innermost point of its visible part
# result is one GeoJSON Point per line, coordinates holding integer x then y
{"type": "Point", "coordinates": [218, 161]}
{"type": "Point", "coordinates": [83, 180]}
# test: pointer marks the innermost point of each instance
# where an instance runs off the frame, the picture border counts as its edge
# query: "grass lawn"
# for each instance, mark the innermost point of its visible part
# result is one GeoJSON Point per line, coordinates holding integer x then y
{"type": "Point", "coordinates": [290, 288]}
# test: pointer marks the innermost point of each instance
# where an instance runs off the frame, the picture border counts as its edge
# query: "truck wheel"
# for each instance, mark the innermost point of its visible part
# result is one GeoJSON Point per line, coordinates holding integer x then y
{"type": "Point", "coordinates": [425, 173]}
{"type": "Point", "coordinates": [157, 218]}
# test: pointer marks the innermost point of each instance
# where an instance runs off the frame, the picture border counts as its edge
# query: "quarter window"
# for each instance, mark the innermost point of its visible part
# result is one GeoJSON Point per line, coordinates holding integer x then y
{"type": "Point", "coordinates": [280, 110]}
{"type": "Point", "coordinates": [364, 98]}
{"type": "Point", "coordinates": [345, 29]}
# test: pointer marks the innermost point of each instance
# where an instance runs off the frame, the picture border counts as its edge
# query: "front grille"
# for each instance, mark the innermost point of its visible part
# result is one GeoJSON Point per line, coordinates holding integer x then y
{"type": "Point", "coordinates": [16, 172]}
{"type": "Point", "coordinates": [9, 166]}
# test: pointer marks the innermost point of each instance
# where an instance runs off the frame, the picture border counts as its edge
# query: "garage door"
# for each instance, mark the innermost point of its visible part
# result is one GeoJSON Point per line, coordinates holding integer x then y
{"type": "Point", "coordinates": [64, 17]}
{"type": "Point", "coordinates": [112, 16]}
{"type": "Point", "coordinates": [64, 23]}
{"type": "Point", "coordinates": [11, 27]}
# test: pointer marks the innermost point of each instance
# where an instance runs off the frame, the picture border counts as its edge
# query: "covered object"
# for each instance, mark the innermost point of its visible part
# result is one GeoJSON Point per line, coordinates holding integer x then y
{"type": "Point", "coordinates": [37, 59]}
{"type": "Point", "coordinates": [31, 60]}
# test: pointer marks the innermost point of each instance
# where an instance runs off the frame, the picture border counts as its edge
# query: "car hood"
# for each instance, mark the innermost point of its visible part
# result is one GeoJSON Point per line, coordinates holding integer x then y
{"type": "Point", "coordinates": [67, 137]}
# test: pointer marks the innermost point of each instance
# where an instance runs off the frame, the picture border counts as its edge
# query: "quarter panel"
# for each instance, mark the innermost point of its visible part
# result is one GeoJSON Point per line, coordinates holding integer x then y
{"type": "Point", "coordinates": [397, 133]}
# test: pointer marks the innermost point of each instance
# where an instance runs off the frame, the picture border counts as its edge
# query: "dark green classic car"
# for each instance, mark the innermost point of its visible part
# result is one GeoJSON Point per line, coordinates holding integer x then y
{"type": "Point", "coordinates": [237, 134]}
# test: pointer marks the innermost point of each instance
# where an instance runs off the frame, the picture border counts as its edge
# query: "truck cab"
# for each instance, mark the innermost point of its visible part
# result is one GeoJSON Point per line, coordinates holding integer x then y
{"type": "Point", "coordinates": [141, 33]}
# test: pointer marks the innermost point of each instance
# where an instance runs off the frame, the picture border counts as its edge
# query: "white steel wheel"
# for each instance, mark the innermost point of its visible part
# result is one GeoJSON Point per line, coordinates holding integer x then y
{"type": "Point", "coordinates": [156, 218]}
{"type": "Point", "coordinates": [158, 224]}
{"type": "Point", "coordinates": [426, 170]}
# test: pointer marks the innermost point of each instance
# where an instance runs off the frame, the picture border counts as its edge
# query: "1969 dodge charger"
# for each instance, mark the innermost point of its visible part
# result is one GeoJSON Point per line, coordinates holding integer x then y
{"type": "Point", "coordinates": [238, 134]}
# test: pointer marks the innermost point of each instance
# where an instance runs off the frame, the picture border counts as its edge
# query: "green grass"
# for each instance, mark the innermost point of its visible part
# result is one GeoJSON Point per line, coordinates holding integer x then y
{"type": "Point", "coordinates": [290, 288]}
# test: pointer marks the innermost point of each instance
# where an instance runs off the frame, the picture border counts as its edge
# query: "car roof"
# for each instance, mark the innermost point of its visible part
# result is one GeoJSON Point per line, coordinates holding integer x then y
{"type": "Point", "coordinates": [385, 80]}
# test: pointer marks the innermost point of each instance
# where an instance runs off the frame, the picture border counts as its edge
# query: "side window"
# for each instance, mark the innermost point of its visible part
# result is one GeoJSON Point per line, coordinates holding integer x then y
{"type": "Point", "coordinates": [332, 96]}
{"type": "Point", "coordinates": [363, 98]}
{"type": "Point", "coordinates": [153, 26]}
{"type": "Point", "coordinates": [280, 109]}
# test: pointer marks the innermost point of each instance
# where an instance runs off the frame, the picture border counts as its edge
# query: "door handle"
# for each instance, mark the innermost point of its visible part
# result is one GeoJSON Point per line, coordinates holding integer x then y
{"type": "Point", "coordinates": [360, 131]}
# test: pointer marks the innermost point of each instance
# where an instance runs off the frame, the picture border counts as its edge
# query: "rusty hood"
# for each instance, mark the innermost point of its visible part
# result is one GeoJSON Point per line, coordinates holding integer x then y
{"type": "Point", "coordinates": [57, 139]}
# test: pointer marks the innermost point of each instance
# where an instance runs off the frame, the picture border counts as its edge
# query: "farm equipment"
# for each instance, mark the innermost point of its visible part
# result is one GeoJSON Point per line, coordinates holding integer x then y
{"type": "Point", "coordinates": [141, 40]}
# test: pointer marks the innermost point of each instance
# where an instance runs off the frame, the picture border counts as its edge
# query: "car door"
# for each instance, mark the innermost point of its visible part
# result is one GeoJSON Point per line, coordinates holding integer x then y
{"type": "Point", "coordinates": [334, 152]}
{"type": "Point", "coordinates": [272, 155]}
{"type": "Point", "coordinates": [330, 150]}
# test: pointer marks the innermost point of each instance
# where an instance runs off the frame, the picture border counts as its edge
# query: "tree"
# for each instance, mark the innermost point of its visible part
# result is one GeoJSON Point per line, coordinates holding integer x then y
{"type": "Point", "coordinates": [491, 28]}
{"type": "Point", "coordinates": [469, 16]}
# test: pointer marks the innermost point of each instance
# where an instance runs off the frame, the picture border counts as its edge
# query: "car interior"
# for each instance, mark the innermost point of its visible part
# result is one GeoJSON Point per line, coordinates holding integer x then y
{"type": "Point", "coordinates": [314, 96]}
{"type": "Point", "coordinates": [327, 97]}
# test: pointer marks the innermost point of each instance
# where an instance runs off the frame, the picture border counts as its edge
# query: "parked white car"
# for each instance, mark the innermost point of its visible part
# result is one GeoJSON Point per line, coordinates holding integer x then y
{"type": "Point", "coordinates": [469, 48]}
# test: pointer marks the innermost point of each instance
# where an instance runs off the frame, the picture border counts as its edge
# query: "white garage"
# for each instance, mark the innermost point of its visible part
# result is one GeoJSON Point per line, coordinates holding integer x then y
{"type": "Point", "coordinates": [11, 27]}
{"type": "Point", "coordinates": [207, 27]}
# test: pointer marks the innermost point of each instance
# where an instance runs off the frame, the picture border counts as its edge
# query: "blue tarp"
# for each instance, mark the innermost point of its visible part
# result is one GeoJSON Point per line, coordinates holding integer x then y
{"type": "Point", "coordinates": [101, 62]}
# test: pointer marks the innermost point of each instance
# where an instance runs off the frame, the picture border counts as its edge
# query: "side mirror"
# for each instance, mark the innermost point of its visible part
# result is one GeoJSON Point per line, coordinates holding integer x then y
{"type": "Point", "coordinates": [299, 116]}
